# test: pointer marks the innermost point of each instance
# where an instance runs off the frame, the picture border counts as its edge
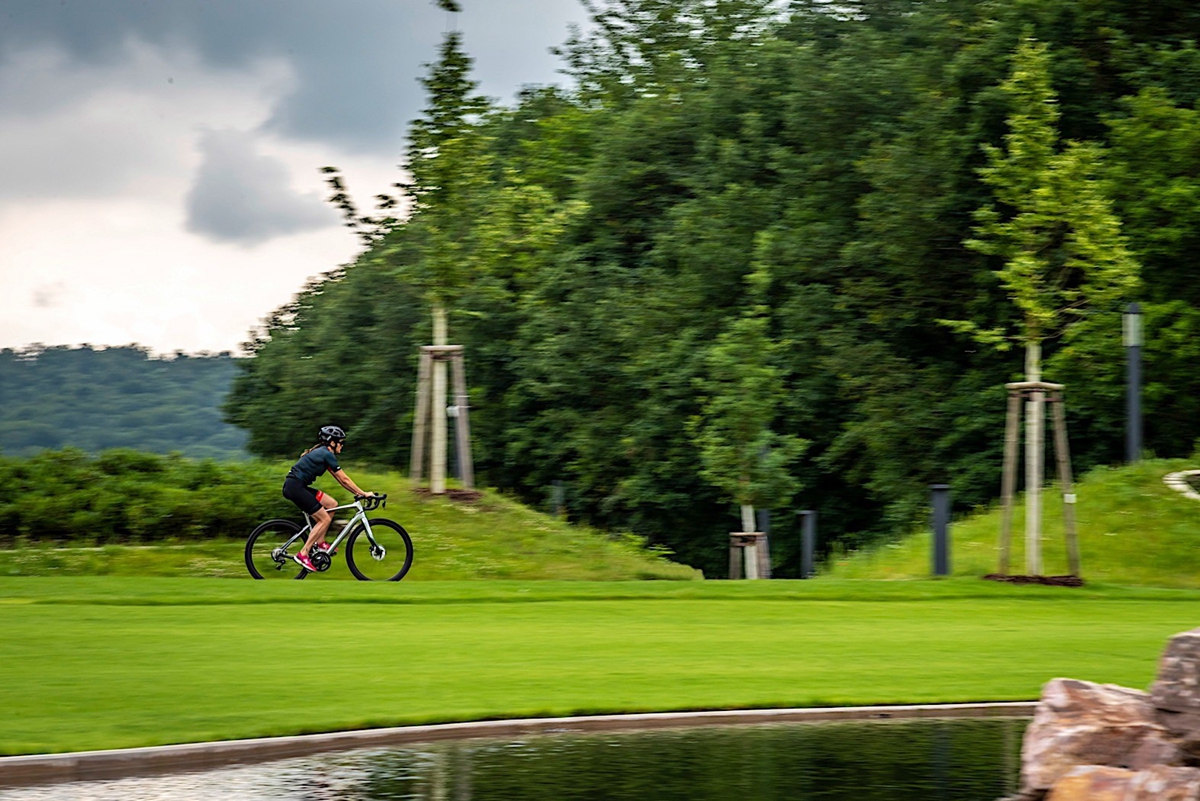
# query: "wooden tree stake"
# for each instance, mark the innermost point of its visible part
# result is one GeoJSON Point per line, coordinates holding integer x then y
{"type": "Point", "coordinates": [1066, 481]}
{"type": "Point", "coordinates": [421, 418]}
{"type": "Point", "coordinates": [1008, 482]}
{"type": "Point", "coordinates": [426, 408]}
{"type": "Point", "coordinates": [1038, 389]}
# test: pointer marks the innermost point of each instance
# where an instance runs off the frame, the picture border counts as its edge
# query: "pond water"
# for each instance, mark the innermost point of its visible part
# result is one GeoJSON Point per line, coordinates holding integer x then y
{"type": "Point", "coordinates": [963, 760]}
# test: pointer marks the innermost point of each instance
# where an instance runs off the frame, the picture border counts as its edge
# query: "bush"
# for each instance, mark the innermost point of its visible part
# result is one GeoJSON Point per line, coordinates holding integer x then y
{"type": "Point", "coordinates": [129, 496]}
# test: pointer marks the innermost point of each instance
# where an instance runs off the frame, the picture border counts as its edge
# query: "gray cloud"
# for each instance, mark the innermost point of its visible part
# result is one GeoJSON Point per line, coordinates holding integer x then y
{"type": "Point", "coordinates": [48, 295]}
{"type": "Point", "coordinates": [355, 60]}
{"type": "Point", "coordinates": [244, 197]}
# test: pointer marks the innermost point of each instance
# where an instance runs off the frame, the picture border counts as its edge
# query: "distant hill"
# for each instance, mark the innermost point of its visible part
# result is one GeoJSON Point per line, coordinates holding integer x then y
{"type": "Point", "coordinates": [115, 398]}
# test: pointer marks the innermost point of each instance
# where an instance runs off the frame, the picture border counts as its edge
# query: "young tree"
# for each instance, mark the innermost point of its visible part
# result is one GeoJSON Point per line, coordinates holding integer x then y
{"type": "Point", "coordinates": [1053, 226]}
{"type": "Point", "coordinates": [450, 171]}
{"type": "Point", "coordinates": [741, 397]}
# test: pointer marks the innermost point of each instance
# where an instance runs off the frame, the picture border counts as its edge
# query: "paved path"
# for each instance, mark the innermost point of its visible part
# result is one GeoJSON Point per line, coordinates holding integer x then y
{"type": "Point", "coordinates": [1179, 483]}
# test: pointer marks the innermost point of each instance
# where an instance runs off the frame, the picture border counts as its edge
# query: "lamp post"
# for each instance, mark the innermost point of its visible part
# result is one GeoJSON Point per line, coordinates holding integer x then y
{"type": "Point", "coordinates": [1132, 319]}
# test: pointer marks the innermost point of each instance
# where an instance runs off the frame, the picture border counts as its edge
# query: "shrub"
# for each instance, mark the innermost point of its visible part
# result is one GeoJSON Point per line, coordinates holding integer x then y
{"type": "Point", "coordinates": [130, 496]}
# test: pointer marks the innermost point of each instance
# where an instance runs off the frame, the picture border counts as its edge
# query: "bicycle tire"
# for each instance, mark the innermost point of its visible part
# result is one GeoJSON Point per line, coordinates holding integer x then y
{"type": "Point", "coordinates": [260, 546]}
{"type": "Point", "coordinates": [397, 544]}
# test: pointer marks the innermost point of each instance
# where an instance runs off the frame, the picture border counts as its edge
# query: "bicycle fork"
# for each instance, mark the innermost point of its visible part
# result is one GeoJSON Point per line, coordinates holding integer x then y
{"type": "Point", "coordinates": [378, 552]}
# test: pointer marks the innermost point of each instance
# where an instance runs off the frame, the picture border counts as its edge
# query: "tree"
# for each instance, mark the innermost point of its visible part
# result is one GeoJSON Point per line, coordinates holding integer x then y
{"type": "Point", "coordinates": [741, 396]}
{"type": "Point", "coordinates": [450, 170]}
{"type": "Point", "coordinates": [598, 244]}
{"type": "Point", "coordinates": [1053, 226]}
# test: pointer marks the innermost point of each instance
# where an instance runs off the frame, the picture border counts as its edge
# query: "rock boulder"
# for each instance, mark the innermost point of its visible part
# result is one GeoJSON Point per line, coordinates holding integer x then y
{"type": "Point", "coordinates": [1080, 723]}
{"type": "Point", "coordinates": [1096, 783]}
{"type": "Point", "coordinates": [1176, 692]}
{"type": "Point", "coordinates": [1092, 783]}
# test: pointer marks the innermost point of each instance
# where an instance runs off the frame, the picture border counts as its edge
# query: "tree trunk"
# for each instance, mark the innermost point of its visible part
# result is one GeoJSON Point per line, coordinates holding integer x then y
{"type": "Point", "coordinates": [437, 456]}
{"type": "Point", "coordinates": [1034, 465]}
{"type": "Point", "coordinates": [750, 552]}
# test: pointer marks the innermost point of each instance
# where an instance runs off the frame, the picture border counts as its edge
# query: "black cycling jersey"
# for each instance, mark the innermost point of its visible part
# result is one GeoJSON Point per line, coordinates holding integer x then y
{"type": "Point", "coordinates": [313, 464]}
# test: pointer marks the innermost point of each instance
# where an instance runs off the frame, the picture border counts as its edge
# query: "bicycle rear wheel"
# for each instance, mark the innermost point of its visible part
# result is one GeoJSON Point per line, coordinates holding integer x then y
{"type": "Point", "coordinates": [388, 558]}
{"type": "Point", "coordinates": [269, 551]}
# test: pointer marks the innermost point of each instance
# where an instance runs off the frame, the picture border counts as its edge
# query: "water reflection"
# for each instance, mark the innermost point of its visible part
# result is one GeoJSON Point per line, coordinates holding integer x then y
{"type": "Point", "coordinates": [975, 760]}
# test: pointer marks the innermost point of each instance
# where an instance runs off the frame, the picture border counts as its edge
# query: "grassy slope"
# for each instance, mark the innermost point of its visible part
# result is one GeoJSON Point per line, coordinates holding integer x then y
{"type": "Point", "coordinates": [495, 538]}
{"type": "Point", "coordinates": [1133, 529]}
{"type": "Point", "coordinates": [99, 662]}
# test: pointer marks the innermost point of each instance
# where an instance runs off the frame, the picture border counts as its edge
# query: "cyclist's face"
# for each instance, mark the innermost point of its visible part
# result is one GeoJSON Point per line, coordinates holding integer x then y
{"type": "Point", "coordinates": [337, 445]}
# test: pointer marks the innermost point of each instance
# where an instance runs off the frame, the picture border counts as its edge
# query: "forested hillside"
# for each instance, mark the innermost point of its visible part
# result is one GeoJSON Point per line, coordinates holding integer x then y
{"type": "Point", "coordinates": [797, 206]}
{"type": "Point", "coordinates": [94, 400]}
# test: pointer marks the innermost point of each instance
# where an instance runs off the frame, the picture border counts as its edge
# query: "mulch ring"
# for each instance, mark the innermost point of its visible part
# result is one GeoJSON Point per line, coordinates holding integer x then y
{"type": "Point", "coordinates": [465, 496]}
{"type": "Point", "coordinates": [1049, 581]}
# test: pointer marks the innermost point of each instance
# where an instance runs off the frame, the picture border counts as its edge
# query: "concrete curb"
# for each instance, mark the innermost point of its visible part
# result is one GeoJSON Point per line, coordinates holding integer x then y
{"type": "Point", "coordinates": [1178, 482]}
{"type": "Point", "coordinates": [91, 765]}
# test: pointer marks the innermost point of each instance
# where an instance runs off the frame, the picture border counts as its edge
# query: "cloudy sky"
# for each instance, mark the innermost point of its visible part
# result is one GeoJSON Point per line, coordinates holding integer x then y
{"type": "Point", "coordinates": [159, 159]}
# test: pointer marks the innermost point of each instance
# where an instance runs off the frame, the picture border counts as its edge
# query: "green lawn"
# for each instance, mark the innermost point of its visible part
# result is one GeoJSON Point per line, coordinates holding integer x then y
{"type": "Point", "coordinates": [103, 662]}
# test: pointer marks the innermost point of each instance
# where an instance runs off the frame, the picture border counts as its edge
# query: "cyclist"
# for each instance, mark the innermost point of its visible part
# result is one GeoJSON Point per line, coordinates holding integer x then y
{"type": "Point", "coordinates": [297, 488]}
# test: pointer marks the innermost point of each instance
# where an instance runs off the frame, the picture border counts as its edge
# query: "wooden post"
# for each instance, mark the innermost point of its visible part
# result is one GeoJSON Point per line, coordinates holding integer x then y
{"type": "Point", "coordinates": [437, 453]}
{"type": "Point", "coordinates": [1009, 480]}
{"type": "Point", "coordinates": [433, 358]}
{"type": "Point", "coordinates": [437, 448]}
{"type": "Point", "coordinates": [1036, 392]}
{"type": "Point", "coordinates": [463, 428]}
{"type": "Point", "coordinates": [1066, 481]}
{"type": "Point", "coordinates": [747, 551]}
{"type": "Point", "coordinates": [420, 419]}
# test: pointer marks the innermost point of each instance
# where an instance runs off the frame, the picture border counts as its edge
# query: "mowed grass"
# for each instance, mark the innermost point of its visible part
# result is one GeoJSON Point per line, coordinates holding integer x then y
{"type": "Point", "coordinates": [106, 662]}
{"type": "Point", "coordinates": [494, 537]}
{"type": "Point", "coordinates": [1133, 529]}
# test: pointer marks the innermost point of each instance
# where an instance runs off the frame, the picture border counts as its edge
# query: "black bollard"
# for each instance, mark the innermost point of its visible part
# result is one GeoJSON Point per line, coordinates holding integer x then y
{"type": "Point", "coordinates": [808, 538]}
{"type": "Point", "coordinates": [941, 529]}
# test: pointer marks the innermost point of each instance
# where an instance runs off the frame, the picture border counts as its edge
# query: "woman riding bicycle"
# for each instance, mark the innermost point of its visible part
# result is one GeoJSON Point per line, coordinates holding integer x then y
{"type": "Point", "coordinates": [297, 488]}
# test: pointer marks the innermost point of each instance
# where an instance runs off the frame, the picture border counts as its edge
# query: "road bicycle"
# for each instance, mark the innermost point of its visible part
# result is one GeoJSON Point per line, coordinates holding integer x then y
{"type": "Point", "coordinates": [377, 549]}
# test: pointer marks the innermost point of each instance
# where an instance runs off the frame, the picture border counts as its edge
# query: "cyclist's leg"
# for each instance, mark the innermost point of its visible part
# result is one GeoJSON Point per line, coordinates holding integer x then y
{"type": "Point", "coordinates": [306, 498]}
{"type": "Point", "coordinates": [328, 504]}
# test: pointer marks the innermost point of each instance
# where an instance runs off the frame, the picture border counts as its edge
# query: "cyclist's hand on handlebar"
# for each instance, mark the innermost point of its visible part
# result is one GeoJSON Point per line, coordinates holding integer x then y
{"type": "Point", "coordinates": [373, 500]}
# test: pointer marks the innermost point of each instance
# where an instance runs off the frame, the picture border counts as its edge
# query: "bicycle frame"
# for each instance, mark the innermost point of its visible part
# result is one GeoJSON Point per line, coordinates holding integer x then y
{"type": "Point", "coordinates": [359, 516]}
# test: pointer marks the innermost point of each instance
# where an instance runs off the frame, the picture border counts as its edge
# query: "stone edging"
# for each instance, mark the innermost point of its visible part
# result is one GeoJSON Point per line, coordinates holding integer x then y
{"type": "Point", "coordinates": [1178, 482]}
{"type": "Point", "coordinates": [90, 765]}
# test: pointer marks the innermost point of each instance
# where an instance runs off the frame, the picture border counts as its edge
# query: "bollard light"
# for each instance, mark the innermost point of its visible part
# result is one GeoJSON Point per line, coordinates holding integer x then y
{"type": "Point", "coordinates": [1132, 326]}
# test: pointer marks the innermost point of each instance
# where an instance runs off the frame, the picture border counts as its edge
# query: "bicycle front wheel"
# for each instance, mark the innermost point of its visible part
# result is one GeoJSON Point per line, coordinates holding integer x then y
{"type": "Point", "coordinates": [269, 550]}
{"type": "Point", "coordinates": [385, 554]}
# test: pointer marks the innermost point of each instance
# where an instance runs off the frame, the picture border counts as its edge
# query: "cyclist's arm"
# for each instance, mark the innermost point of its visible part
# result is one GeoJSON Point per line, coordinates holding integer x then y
{"type": "Point", "coordinates": [343, 479]}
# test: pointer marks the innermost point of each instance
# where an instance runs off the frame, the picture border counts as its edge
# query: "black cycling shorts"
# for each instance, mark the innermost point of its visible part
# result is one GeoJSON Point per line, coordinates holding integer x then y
{"type": "Point", "coordinates": [307, 498]}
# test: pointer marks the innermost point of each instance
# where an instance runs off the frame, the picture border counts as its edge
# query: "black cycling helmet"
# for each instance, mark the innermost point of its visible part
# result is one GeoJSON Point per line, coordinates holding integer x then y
{"type": "Point", "coordinates": [331, 434]}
